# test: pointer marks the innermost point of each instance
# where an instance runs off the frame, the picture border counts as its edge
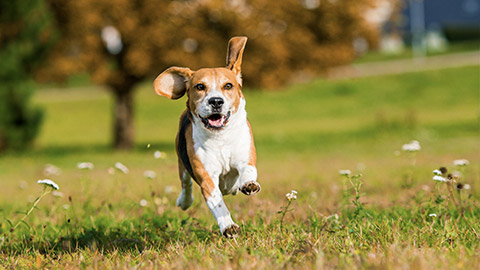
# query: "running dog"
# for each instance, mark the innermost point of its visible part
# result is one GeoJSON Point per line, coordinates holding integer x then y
{"type": "Point", "coordinates": [214, 143]}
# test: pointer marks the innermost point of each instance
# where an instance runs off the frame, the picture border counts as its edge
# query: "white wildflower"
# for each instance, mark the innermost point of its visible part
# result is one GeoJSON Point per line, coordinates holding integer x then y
{"type": "Point", "coordinates": [66, 206]}
{"type": "Point", "coordinates": [437, 172]}
{"type": "Point", "coordinates": [439, 178]}
{"type": "Point", "coordinates": [168, 189]}
{"type": "Point", "coordinates": [22, 184]}
{"type": "Point", "coordinates": [461, 162]}
{"type": "Point", "coordinates": [412, 146]}
{"type": "Point", "coordinates": [460, 186]}
{"type": "Point", "coordinates": [50, 169]}
{"type": "Point", "coordinates": [159, 154]}
{"type": "Point", "coordinates": [58, 194]}
{"type": "Point", "coordinates": [149, 174]}
{"type": "Point", "coordinates": [164, 200]}
{"type": "Point", "coordinates": [143, 203]}
{"type": "Point", "coordinates": [361, 166]}
{"type": "Point", "coordinates": [157, 201]}
{"type": "Point", "coordinates": [85, 165]}
{"type": "Point", "coordinates": [49, 183]}
{"type": "Point", "coordinates": [119, 166]}
{"type": "Point", "coordinates": [432, 215]}
{"type": "Point", "coordinates": [344, 172]}
{"type": "Point", "coordinates": [334, 216]}
{"type": "Point", "coordinates": [291, 196]}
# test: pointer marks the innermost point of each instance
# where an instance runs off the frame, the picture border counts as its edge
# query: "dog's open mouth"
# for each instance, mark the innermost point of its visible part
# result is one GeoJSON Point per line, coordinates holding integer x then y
{"type": "Point", "coordinates": [216, 120]}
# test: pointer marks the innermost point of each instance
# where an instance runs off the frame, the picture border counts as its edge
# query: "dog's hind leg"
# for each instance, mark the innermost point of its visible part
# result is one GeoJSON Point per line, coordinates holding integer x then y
{"type": "Point", "coordinates": [185, 199]}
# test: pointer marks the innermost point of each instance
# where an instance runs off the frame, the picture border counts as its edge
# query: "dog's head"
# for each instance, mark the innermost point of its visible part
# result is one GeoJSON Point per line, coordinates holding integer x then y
{"type": "Point", "coordinates": [214, 94]}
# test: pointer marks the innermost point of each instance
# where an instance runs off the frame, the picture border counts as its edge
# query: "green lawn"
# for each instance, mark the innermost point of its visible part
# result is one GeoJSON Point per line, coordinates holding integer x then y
{"type": "Point", "coordinates": [304, 135]}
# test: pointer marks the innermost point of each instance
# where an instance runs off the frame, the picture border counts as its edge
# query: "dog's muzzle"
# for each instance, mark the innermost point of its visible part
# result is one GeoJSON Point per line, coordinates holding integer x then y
{"type": "Point", "coordinates": [216, 120]}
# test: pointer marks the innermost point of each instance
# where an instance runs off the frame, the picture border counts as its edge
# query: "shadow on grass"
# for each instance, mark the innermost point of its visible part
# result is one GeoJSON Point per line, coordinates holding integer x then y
{"type": "Point", "coordinates": [85, 149]}
{"type": "Point", "coordinates": [128, 236]}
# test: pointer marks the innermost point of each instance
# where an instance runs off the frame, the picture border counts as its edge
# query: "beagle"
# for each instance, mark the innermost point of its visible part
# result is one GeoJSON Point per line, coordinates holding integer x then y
{"type": "Point", "coordinates": [214, 143]}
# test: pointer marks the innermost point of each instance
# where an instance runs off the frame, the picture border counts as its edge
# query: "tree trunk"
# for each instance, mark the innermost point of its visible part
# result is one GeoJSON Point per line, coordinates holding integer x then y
{"type": "Point", "coordinates": [123, 129]}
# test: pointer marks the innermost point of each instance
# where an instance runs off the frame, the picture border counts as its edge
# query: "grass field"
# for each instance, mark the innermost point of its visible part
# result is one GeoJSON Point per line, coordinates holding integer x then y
{"type": "Point", "coordinates": [393, 216]}
{"type": "Point", "coordinates": [455, 47]}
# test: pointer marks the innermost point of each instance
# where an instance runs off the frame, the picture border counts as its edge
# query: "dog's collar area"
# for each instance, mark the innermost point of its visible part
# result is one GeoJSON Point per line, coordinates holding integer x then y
{"type": "Point", "coordinates": [216, 120]}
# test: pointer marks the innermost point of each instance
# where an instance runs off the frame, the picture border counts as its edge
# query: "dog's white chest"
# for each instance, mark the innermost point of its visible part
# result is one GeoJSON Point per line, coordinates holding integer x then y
{"type": "Point", "coordinates": [221, 152]}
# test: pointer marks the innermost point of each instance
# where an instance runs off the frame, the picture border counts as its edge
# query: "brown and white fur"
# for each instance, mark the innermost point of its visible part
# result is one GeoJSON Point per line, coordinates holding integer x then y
{"type": "Point", "coordinates": [215, 143]}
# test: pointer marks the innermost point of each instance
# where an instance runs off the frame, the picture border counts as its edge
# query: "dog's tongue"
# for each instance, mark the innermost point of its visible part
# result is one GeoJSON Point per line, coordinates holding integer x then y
{"type": "Point", "coordinates": [215, 120]}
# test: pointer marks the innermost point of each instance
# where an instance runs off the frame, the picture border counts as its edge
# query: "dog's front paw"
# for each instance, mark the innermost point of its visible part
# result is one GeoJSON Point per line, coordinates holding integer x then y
{"type": "Point", "coordinates": [250, 188]}
{"type": "Point", "coordinates": [231, 231]}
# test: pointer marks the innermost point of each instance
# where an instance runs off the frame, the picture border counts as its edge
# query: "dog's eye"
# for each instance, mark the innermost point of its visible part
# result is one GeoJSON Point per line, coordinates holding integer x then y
{"type": "Point", "coordinates": [228, 86]}
{"type": "Point", "coordinates": [200, 86]}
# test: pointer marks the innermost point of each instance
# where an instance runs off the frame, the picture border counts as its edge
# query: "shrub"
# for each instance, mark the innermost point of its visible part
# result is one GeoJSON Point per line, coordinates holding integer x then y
{"type": "Point", "coordinates": [25, 34]}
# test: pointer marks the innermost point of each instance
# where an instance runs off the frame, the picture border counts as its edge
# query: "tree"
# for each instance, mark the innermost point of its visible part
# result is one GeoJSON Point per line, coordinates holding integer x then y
{"type": "Point", "coordinates": [119, 44]}
{"type": "Point", "coordinates": [288, 38]}
{"type": "Point", "coordinates": [25, 36]}
{"type": "Point", "coordinates": [143, 38]}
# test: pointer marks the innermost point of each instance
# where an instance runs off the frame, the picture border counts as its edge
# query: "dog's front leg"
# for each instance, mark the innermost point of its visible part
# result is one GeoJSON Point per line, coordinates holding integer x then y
{"type": "Point", "coordinates": [215, 203]}
{"type": "Point", "coordinates": [248, 179]}
{"type": "Point", "coordinates": [208, 180]}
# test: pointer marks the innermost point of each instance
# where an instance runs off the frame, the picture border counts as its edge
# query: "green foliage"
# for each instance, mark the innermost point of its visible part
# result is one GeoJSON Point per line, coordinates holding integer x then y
{"type": "Point", "coordinates": [25, 35]}
{"type": "Point", "coordinates": [19, 122]}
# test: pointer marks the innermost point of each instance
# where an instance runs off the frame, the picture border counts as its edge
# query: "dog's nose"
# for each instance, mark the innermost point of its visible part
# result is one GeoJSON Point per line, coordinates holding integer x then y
{"type": "Point", "coordinates": [216, 102]}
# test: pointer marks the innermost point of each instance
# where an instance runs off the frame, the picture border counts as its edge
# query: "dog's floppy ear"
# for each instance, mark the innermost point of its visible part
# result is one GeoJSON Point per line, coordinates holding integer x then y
{"type": "Point", "coordinates": [172, 83]}
{"type": "Point", "coordinates": [236, 45]}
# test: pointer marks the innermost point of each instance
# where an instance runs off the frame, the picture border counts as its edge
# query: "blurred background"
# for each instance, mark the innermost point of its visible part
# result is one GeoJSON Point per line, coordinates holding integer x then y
{"type": "Point", "coordinates": [118, 45]}
{"type": "Point", "coordinates": [57, 47]}
{"type": "Point", "coordinates": [330, 85]}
